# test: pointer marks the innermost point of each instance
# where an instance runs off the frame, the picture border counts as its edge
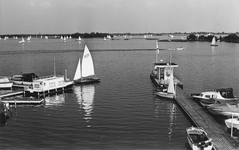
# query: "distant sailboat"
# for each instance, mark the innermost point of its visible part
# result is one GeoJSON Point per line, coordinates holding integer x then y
{"type": "Point", "coordinates": [22, 41]}
{"type": "Point", "coordinates": [213, 42]}
{"type": "Point", "coordinates": [170, 93]}
{"type": "Point", "coordinates": [85, 72]}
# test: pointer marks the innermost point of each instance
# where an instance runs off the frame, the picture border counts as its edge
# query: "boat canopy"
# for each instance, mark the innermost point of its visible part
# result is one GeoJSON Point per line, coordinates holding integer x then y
{"type": "Point", "coordinates": [226, 92]}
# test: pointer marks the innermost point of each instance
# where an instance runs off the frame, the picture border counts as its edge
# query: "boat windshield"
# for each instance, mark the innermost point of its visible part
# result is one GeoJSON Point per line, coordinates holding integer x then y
{"type": "Point", "coordinates": [226, 93]}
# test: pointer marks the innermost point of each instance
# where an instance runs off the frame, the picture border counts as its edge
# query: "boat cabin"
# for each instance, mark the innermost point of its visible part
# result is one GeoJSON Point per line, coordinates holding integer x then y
{"type": "Point", "coordinates": [47, 83]}
{"type": "Point", "coordinates": [162, 71]}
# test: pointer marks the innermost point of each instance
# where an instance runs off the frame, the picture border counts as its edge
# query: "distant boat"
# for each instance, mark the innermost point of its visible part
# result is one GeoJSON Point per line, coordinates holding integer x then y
{"type": "Point", "coordinates": [213, 42]}
{"type": "Point", "coordinates": [198, 139]}
{"type": "Point", "coordinates": [170, 93]}
{"type": "Point", "coordinates": [22, 41]}
{"type": "Point", "coordinates": [85, 72]}
{"type": "Point", "coordinates": [104, 39]}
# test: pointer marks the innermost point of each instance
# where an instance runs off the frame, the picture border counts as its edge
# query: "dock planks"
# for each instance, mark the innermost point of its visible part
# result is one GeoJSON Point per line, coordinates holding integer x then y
{"type": "Point", "coordinates": [201, 118]}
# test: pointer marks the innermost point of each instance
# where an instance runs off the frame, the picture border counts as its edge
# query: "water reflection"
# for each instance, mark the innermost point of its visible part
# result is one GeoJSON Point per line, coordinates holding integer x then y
{"type": "Point", "coordinates": [85, 95]}
{"type": "Point", "coordinates": [165, 106]}
{"type": "Point", "coordinates": [55, 101]}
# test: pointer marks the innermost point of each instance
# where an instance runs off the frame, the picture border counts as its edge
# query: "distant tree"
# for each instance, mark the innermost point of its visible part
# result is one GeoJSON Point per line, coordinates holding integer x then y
{"type": "Point", "coordinates": [191, 37]}
{"type": "Point", "coordinates": [231, 38]}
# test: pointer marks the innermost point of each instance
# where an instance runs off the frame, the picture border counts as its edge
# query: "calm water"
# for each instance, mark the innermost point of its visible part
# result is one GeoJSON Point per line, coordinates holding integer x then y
{"type": "Point", "coordinates": [121, 112]}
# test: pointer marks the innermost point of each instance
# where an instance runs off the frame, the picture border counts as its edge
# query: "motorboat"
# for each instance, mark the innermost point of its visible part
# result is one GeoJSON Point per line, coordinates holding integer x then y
{"type": "Point", "coordinates": [85, 72]}
{"type": "Point", "coordinates": [224, 110]}
{"type": "Point", "coordinates": [23, 80]}
{"type": "Point", "coordinates": [198, 139]}
{"type": "Point", "coordinates": [218, 94]}
{"type": "Point", "coordinates": [208, 102]}
{"type": "Point", "coordinates": [5, 83]}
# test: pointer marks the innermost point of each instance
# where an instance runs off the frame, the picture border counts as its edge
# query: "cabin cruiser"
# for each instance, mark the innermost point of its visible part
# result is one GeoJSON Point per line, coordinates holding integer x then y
{"type": "Point", "coordinates": [222, 95]}
{"type": "Point", "coordinates": [23, 80]}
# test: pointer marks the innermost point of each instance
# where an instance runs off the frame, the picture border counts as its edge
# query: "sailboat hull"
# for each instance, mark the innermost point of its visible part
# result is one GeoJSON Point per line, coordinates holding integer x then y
{"type": "Point", "coordinates": [166, 95]}
{"type": "Point", "coordinates": [87, 80]}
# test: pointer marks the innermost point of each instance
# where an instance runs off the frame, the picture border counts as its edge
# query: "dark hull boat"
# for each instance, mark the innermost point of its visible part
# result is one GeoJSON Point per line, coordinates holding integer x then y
{"type": "Point", "coordinates": [85, 73]}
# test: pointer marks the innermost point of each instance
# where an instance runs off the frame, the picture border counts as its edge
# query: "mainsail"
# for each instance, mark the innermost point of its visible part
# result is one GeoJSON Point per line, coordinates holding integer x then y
{"type": "Point", "coordinates": [87, 63]}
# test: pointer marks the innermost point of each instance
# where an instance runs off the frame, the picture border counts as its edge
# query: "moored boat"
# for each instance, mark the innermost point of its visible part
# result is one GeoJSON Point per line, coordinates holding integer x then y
{"type": "Point", "coordinates": [170, 93]}
{"type": "Point", "coordinates": [160, 74]}
{"type": "Point", "coordinates": [5, 83]}
{"type": "Point", "coordinates": [85, 72]}
{"type": "Point", "coordinates": [218, 94]}
{"type": "Point", "coordinates": [48, 85]}
{"type": "Point", "coordinates": [23, 80]}
{"type": "Point", "coordinates": [198, 139]}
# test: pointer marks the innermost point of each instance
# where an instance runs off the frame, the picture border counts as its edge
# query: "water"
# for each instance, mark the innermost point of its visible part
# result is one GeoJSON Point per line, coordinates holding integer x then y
{"type": "Point", "coordinates": [121, 112]}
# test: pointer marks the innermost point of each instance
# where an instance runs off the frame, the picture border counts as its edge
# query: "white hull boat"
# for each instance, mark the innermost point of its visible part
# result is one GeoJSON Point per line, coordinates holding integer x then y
{"type": "Point", "coordinates": [5, 83]}
{"type": "Point", "coordinates": [198, 139]}
{"type": "Point", "coordinates": [232, 123]}
{"type": "Point", "coordinates": [224, 95]}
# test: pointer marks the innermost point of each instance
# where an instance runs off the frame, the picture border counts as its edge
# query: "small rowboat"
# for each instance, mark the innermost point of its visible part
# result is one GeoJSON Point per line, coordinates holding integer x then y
{"type": "Point", "coordinates": [198, 139]}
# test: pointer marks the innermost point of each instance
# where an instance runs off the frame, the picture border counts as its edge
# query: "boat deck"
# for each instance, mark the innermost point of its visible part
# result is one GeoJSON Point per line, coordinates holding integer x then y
{"type": "Point", "coordinates": [201, 118]}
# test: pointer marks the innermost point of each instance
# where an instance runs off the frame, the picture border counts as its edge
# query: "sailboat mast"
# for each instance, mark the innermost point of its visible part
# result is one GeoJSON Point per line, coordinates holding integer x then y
{"type": "Point", "coordinates": [157, 52]}
{"type": "Point", "coordinates": [54, 67]}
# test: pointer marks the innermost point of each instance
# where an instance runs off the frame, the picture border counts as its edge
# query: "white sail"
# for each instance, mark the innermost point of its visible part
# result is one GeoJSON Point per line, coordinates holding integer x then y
{"type": "Point", "coordinates": [78, 71]}
{"type": "Point", "coordinates": [213, 41]}
{"type": "Point", "coordinates": [171, 83]}
{"type": "Point", "coordinates": [79, 38]}
{"type": "Point", "coordinates": [87, 63]}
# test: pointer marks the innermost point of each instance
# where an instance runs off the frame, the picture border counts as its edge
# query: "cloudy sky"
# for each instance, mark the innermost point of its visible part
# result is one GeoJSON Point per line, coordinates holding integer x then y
{"type": "Point", "coordinates": [114, 16]}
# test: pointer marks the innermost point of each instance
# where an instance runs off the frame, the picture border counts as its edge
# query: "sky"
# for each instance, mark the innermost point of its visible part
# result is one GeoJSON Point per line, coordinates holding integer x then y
{"type": "Point", "coordinates": [118, 16]}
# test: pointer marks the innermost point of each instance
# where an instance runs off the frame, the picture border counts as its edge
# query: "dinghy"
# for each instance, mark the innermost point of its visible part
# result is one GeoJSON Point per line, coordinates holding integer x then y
{"type": "Point", "coordinates": [198, 139]}
{"type": "Point", "coordinates": [85, 72]}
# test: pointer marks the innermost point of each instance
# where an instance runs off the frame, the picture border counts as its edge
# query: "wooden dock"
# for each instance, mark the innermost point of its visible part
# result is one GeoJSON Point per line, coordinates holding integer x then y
{"type": "Point", "coordinates": [12, 93]}
{"type": "Point", "coordinates": [23, 101]}
{"type": "Point", "coordinates": [201, 118]}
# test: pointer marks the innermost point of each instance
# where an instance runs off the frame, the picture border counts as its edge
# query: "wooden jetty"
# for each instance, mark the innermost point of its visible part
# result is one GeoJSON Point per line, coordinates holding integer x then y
{"type": "Point", "coordinates": [23, 100]}
{"type": "Point", "coordinates": [12, 93]}
{"type": "Point", "coordinates": [201, 118]}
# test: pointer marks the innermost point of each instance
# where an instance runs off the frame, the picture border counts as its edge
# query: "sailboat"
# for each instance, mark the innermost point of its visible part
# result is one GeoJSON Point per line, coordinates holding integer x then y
{"type": "Point", "coordinates": [79, 39]}
{"type": "Point", "coordinates": [22, 41]}
{"type": "Point", "coordinates": [213, 42]}
{"type": "Point", "coordinates": [85, 72]}
{"type": "Point", "coordinates": [170, 93]}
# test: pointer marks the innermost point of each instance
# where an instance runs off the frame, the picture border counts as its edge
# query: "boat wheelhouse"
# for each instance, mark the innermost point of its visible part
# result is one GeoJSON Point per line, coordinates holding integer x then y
{"type": "Point", "coordinates": [48, 85]}
{"type": "Point", "coordinates": [160, 75]}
